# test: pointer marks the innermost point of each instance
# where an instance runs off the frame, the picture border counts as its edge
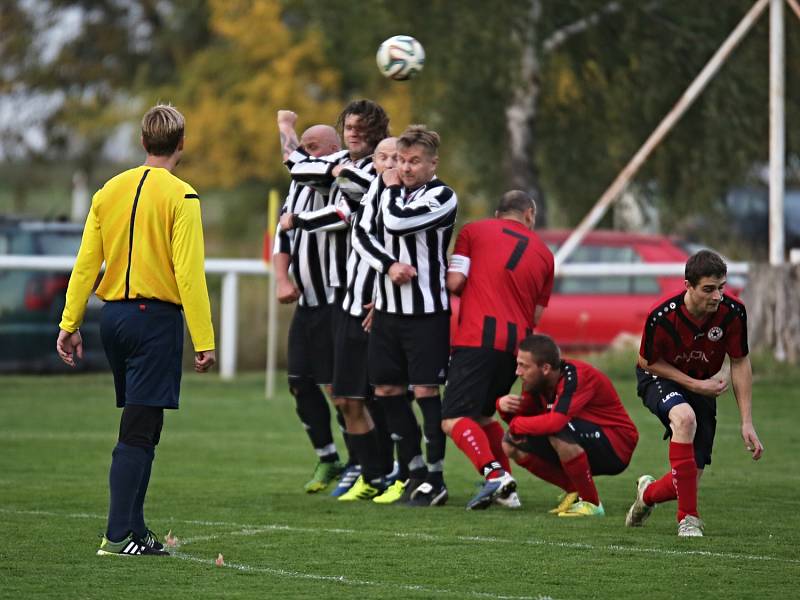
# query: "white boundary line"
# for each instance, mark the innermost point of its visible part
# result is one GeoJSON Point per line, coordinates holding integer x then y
{"type": "Point", "coordinates": [353, 582]}
{"type": "Point", "coordinates": [250, 529]}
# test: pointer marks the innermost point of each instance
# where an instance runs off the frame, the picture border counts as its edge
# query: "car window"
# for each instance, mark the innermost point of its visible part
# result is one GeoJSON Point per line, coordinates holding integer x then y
{"type": "Point", "coordinates": [611, 284]}
{"type": "Point", "coordinates": [3, 244]}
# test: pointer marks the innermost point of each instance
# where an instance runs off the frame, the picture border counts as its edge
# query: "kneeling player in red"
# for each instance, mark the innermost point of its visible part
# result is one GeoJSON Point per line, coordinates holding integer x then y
{"type": "Point", "coordinates": [686, 337]}
{"type": "Point", "coordinates": [568, 426]}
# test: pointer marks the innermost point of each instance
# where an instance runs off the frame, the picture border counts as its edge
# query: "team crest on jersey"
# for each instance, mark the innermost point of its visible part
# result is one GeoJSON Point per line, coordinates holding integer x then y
{"type": "Point", "coordinates": [715, 334]}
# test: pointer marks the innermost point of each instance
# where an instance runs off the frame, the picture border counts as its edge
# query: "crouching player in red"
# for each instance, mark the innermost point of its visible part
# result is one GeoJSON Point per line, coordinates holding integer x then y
{"type": "Point", "coordinates": [685, 340]}
{"type": "Point", "coordinates": [568, 426]}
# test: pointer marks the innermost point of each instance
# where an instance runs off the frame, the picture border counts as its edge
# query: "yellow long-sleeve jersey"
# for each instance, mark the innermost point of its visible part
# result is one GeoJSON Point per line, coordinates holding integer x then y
{"type": "Point", "coordinates": [145, 224]}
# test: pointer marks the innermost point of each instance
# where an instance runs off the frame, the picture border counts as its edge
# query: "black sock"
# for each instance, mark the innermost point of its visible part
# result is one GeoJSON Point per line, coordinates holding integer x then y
{"type": "Point", "coordinates": [352, 455]}
{"type": "Point", "coordinates": [128, 465]}
{"type": "Point", "coordinates": [365, 451]}
{"type": "Point", "coordinates": [385, 442]}
{"type": "Point", "coordinates": [435, 439]}
{"type": "Point", "coordinates": [314, 413]}
{"type": "Point", "coordinates": [405, 432]}
{"type": "Point", "coordinates": [138, 524]}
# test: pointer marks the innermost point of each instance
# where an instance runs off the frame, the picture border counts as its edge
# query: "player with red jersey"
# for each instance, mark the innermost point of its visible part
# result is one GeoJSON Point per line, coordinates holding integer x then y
{"type": "Point", "coordinates": [504, 274]}
{"type": "Point", "coordinates": [685, 340]}
{"type": "Point", "coordinates": [568, 426]}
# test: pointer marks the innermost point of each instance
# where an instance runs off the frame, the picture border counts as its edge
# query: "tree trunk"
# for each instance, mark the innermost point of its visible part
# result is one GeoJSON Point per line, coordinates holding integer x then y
{"type": "Point", "coordinates": [521, 114]}
{"type": "Point", "coordinates": [772, 298]}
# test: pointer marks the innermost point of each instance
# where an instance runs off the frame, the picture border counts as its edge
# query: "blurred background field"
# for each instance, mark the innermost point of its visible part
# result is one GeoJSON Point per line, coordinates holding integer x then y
{"type": "Point", "coordinates": [228, 479]}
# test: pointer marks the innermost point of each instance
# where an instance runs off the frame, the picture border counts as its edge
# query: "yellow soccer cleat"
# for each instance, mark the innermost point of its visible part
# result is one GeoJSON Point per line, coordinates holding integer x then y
{"type": "Point", "coordinates": [565, 500]}
{"type": "Point", "coordinates": [584, 509]}
{"type": "Point", "coordinates": [360, 490]}
{"type": "Point", "coordinates": [392, 494]}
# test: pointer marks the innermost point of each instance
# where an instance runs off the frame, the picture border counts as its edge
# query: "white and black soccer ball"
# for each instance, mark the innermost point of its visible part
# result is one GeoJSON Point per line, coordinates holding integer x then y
{"type": "Point", "coordinates": [400, 57]}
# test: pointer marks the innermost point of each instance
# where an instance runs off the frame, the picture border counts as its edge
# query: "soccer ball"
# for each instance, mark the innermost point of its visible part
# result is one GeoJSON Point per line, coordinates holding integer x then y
{"type": "Point", "coordinates": [400, 57]}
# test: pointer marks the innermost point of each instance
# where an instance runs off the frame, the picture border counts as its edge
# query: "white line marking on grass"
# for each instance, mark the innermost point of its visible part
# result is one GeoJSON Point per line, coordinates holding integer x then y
{"type": "Point", "coordinates": [344, 580]}
{"type": "Point", "coordinates": [428, 537]}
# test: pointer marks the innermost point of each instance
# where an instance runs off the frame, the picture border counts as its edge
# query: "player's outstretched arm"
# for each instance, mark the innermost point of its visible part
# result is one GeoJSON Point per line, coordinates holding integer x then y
{"type": "Point", "coordinates": [742, 378]}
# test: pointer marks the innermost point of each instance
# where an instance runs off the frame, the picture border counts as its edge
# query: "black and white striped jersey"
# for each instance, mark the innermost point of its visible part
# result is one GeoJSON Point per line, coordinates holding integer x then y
{"type": "Point", "coordinates": [344, 195]}
{"type": "Point", "coordinates": [412, 227]}
{"type": "Point", "coordinates": [308, 250]}
{"type": "Point", "coordinates": [361, 276]}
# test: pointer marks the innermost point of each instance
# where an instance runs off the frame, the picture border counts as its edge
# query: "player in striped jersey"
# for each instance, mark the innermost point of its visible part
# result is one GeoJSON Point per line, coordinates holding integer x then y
{"type": "Point", "coordinates": [346, 177]}
{"type": "Point", "coordinates": [299, 261]}
{"type": "Point", "coordinates": [405, 239]}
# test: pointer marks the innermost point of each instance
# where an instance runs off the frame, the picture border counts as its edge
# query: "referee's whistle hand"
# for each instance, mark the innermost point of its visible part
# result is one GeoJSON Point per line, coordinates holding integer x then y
{"type": "Point", "coordinates": [204, 360]}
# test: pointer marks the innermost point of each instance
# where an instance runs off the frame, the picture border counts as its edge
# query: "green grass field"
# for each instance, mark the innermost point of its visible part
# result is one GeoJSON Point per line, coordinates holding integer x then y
{"type": "Point", "coordinates": [228, 479]}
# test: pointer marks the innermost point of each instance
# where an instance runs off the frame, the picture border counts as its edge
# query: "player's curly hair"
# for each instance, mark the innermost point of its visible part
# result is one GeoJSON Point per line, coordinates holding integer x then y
{"type": "Point", "coordinates": [704, 263]}
{"type": "Point", "coordinates": [162, 130]}
{"type": "Point", "coordinates": [419, 135]}
{"type": "Point", "coordinates": [374, 120]}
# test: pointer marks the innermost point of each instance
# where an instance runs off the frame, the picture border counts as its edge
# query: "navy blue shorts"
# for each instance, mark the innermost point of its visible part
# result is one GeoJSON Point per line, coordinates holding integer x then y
{"type": "Point", "coordinates": [143, 340]}
{"type": "Point", "coordinates": [661, 395]}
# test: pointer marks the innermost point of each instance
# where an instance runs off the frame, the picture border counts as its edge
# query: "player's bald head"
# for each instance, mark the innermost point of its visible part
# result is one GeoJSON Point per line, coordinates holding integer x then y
{"type": "Point", "coordinates": [388, 145]}
{"type": "Point", "coordinates": [319, 140]}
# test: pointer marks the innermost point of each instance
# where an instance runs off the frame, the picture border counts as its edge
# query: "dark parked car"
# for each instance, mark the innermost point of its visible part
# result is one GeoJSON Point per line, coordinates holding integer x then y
{"type": "Point", "coordinates": [31, 301]}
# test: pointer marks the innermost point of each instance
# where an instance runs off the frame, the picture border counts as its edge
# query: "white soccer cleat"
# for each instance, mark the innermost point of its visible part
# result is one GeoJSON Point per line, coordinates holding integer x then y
{"type": "Point", "coordinates": [510, 501]}
{"type": "Point", "coordinates": [639, 511]}
{"type": "Point", "coordinates": [690, 526]}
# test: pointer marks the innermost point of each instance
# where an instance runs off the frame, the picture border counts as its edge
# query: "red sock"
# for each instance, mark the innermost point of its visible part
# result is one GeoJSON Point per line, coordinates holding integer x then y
{"type": "Point", "coordinates": [580, 473]}
{"type": "Point", "coordinates": [494, 433]}
{"type": "Point", "coordinates": [684, 476]}
{"type": "Point", "coordinates": [472, 441]}
{"type": "Point", "coordinates": [547, 471]}
{"type": "Point", "coordinates": [661, 490]}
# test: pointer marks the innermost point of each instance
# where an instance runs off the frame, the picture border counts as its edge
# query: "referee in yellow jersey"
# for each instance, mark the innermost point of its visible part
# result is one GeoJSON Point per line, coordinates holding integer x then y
{"type": "Point", "coordinates": [145, 224]}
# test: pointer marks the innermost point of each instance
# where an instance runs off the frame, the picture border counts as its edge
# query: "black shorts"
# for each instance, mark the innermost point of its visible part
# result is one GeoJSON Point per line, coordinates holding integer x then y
{"type": "Point", "coordinates": [589, 436]}
{"type": "Point", "coordinates": [661, 395]}
{"type": "Point", "coordinates": [311, 343]}
{"type": "Point", "coordinates": [350, 358]}
{"type": "Point", "coordinates": [476, 378]}
{"type": "Point", "coordinates": [143, 341]}
{"type": "Point", "coordinates": [409, 349]}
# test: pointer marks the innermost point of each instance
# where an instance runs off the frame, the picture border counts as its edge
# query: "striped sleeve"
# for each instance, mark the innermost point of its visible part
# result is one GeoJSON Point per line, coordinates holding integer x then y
{"type": "Point", "coordinates": [283, 239]}
{"type": "Point", "coordinates": [364, 238]}
{"type": "Point", "coordinates": [354, 182]}
{"type": "Point", "coordinates": [435, 207]}
{"type": "Point", "coordinates": [317, 172]}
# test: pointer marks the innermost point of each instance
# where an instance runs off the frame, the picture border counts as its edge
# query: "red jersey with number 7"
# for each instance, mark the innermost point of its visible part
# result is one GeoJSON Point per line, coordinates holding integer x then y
{"type": "Point", "coordinates": [509, 272]}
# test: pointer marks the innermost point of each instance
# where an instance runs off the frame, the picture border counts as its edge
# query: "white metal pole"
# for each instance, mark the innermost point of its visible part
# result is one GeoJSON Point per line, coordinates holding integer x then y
{"type": "Point", "coordinates": [689, 96]}
{"type": "Point", "coordinates": [777, 133]}
{"type": "Point", "coordinates": [230, 303]}
{"type": "Point", "coordinates": [272, 336]}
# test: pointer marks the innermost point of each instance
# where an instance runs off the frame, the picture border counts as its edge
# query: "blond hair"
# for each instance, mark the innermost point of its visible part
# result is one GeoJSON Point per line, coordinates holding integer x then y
{"type": "Point", "coordinates": [419, 135]}
{"type": "Point", "coordinates": [162, 130]}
